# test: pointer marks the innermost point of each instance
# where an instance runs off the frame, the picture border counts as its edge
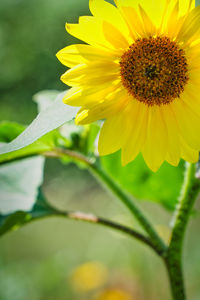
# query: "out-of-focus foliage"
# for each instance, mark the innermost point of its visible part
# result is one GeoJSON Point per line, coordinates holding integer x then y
{"type": "Point", "coordinates": [31, 32]}
{"type": "Point", "coordinates": [10, 130]}
{"type": "Point", "coordinates": [19, 182]}
{"type": "Point", "coordinates": [162, 186]}
{"type": "Point", "coordinates": [47, 120]}
{"type": "Point", "coordinates": [21, 200]}
{"type": "Point", "coordinates": [37, 208]}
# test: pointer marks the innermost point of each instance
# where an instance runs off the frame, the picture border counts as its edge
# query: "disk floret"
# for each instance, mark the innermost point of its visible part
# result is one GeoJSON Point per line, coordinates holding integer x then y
{"type": "Point", "coordinates": [154, 70]}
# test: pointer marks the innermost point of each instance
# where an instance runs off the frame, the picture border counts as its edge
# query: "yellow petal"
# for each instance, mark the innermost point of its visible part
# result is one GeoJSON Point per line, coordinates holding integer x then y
{"type": "Point", "coordinates": [188, 153]}
{"type": "Point", "coordinates": [72, 94]}
{"type": "Point", "coordinates": [73, 55]}
{"type": "Point", "coordinates": [191, 98]}
{"type": "Point", "coordinates": [114, 36]}
{"type": "Point", "coordinates": [173, 148]}
{"type": "Point", "coordinates": [149, 27]}
{"type": "Point", "coordinates": [135, 134]}
{"type": "Point", "coordinates": [92, 73]}
{"type": "Point", "coordinates": [155, 147]}
{"type": "Point", "coordinates": [89, 30]}
{"type": "Point", "coordinates": [104, 10]}
{"type": "Point", "coordinates": [173, 21]}
{"type": "Point", "coordinates": [188, 122]}
{"type": "Point", "coordinates": [154, 8]}
{"type": "Point", "coordinates": [190, 29]}
{"type": "Point", "coordinates": [134, 22]}
{"type": "Point", "coordinates": [111, 136]}
{"type": "Point", "coordinates": [78, 96]}
{"type": "Point", "coordinates": [194, 59]}
{"type": "Point", "coordinates": [111, 105]}
{"type": "Point", "coordinates": [186, 6]}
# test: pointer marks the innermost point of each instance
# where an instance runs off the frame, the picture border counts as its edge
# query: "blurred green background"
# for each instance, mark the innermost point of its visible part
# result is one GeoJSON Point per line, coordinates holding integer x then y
{"type": "Point", "coordinates": [40, 261]}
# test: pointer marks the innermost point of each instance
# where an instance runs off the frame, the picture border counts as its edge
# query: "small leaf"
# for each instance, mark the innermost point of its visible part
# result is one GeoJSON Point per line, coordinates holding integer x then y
{"type": "Point", "coordinates": [162, 187]}
{"type": "Point", "coordinates": [21, 199]}
{"type": "Point", "coordinates": [19, 183]}
{"type": "Point", "coordinates": [17, 219]}
{"type": "Point", "coordinates": [47, 120]}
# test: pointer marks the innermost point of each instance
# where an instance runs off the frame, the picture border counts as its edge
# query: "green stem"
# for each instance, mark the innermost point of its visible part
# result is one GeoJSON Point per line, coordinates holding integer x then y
{"type": "Point", "coordinates": [128, 201]}
{"type": "Point", "coordinates": [156, 241]}
{"type": "Point", "coordinates": [173, 259]}
{"type": "Point", "coordinates": [51, 211]}
{"type": "Point", "coordinates": [175, 274]}
{"type": "Point", "coordinates": [80, 216]}
{"type": "Point", "coordinates": [187, 198]}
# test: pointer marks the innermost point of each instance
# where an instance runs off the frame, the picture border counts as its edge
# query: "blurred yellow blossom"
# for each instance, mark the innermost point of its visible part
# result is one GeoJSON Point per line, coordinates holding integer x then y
{"type": "Point", "coordinates": [89, 276]}
{"type": "Point", "coordinates": [114, 294]}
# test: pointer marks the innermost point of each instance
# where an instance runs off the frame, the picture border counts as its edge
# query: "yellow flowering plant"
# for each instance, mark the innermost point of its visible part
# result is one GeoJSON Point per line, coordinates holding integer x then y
{"type": "Point", "coordinates": [133, 89]}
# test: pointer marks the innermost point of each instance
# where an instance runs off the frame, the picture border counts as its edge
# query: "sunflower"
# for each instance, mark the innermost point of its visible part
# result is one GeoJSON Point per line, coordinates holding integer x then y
{"type": "Point", "coordinates": [139, 71]}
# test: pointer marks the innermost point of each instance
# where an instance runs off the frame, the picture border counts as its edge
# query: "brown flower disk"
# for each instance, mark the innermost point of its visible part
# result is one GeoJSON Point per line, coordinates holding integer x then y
{"type": "Point", "coordinates": [154, 70]}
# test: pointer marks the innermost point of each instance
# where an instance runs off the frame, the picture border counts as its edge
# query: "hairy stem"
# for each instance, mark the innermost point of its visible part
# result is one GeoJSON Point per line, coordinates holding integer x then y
{"type": "Point", "coordinates": [173, 259]}
{"type": "Point", "coordinates": [175, 274]}
{"type": "Point", "coordinates": [184, 208]}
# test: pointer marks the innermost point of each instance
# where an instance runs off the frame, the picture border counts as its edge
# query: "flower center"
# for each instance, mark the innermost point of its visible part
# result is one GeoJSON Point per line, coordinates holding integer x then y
{"type": "Point", "coordinates": [154, 70]}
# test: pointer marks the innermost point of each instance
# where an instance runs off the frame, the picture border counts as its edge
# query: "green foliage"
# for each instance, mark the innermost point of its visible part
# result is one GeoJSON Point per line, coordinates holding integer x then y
{"type": "Point", "coordinates": [81, 138]}
{"type": "Point", "coordinates": [162, 186]}
{"type": "Point", "coordinates": [27, 58]}
{"type": "Point", "coordinates": [21, 200]}
{"type": "Point", "coordinates": [47, 120]}
{"type": "Point", "coordinates": [17, 219]}
{"type": "Point", "coordinates": [10, 130]}
{"type": "Point", "coordinates": [19, 182]}
{"type": "Point", "coordinates": [13, 221]}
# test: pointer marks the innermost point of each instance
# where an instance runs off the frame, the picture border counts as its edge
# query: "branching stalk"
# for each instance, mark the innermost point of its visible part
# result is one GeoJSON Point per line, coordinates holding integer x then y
{"type": "Point", "coordinates": [112, 186]}
{"type": "Point", "coordinates": [172, 254]}
{"type": "Point", "coordinates": [91, 218]}
{"type": "Point", "coordinates": [113, 225]}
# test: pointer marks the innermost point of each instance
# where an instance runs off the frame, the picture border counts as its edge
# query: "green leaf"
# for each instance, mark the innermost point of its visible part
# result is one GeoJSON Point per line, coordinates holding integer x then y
{"type": "Point", "coordinates": [19, 183]}
{"type": "Point", "coordinates": [17, 219]}
{"type": "Point", "coordinates": [162, 187]}
{"type": "Point", "coordinates": [21, 199]}
{"type": "Point", "coordinates": [9, 131]}
{"type": "Point", "coordinates": [47, 120]}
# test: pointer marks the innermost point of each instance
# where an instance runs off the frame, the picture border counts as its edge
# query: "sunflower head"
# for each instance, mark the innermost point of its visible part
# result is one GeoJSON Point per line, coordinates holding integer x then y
{"type": "Point", "coordinates": [139, 71]}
